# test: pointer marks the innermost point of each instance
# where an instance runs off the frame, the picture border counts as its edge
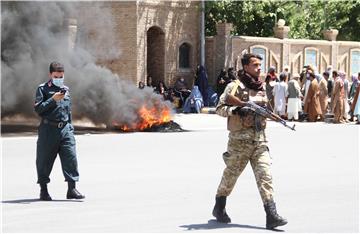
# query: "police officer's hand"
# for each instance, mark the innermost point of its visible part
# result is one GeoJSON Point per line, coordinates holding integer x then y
{"type": "Point", "coordinates": [58, 96]}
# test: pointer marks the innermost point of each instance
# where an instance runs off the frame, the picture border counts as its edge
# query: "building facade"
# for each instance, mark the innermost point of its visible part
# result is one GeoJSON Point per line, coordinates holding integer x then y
{"type": "Point", "coordinates": [154, 38]}
{"type": "Point", "coordinates": [224, 50]}
{"type": "Point", "coordinates": [161, 39]}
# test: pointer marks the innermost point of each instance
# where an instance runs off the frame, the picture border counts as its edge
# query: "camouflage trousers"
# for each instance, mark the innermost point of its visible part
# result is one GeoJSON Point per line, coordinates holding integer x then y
{"type": "Point", "coordinates": [236, 158]}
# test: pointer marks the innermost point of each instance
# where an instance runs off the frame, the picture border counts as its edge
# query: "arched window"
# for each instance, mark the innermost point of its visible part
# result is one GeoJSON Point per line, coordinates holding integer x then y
{"type": "Point", "coordinates": [184, 55]}
{"type": "Point", "coordinates": [311, 57]}
{"type": "Point", "coordinates": [355, 61]}
{"type": "Point", "coordinates": [262, 52]}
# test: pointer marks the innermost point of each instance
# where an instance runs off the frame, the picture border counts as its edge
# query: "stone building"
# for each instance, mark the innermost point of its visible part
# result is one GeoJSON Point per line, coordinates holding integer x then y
{"type": "Point", "coordinates": [224, 50]}
{"type": "Point", "coordinates": [161, 39]}
{"type": "Point", "coordinates": [156, 38]}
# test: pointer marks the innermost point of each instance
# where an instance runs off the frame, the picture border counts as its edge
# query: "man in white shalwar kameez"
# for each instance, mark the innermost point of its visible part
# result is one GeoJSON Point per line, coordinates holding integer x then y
{"type": "Point", "coordinates": [279, 91]}
{"type": "Point", "coordinates": [294, 102]}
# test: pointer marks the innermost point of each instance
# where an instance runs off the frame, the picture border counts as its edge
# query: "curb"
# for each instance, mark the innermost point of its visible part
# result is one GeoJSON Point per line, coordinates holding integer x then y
{"type": "Point", "coordinates": [208, 110]}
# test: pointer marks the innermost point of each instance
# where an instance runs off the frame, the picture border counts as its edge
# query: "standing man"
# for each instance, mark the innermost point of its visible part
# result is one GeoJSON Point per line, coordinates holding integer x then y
{"type": "Point", "coordinates": [323, 96]}
{"type": "Point", "coordinates": [312, 101]}
{"type": "Point", "coordinates": [338, 99]}
{"type": "Point", "coordinates": [247, 140]}
{"type": "Point", "coordinates": [55, 133]}
{"type": "Point", "coordinates": [293, 96]}
{"type": "Point", "coordinates": [270, 81]}
{"type": "Point", "coordinates": [279, 93]}
{"type": "Point", "coordinates": [330, 83]}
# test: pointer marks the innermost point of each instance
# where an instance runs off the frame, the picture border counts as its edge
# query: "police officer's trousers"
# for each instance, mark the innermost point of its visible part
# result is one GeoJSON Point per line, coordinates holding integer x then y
{"type": "Point", "coordinates": [236, 158]}
{"type": "Point", "coordinates": [52, 141]}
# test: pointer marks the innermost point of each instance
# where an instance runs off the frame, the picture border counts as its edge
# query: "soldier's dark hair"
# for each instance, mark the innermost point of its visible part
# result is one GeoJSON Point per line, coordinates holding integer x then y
{"type": "Point", "coordinates": [56, 67]}
{"type": "Point", "coordinates": [246, 58]}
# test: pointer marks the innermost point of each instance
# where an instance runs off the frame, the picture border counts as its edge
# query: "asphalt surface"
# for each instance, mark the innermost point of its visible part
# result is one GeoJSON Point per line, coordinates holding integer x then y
{"type": "Point", "coordinates": [166, 182]}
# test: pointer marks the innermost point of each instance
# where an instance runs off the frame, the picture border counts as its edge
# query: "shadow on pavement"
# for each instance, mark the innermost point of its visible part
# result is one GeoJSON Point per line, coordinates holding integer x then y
{"type": "Point", "coordinates": [32, 200]}
{"type": "Point", "coordinates": [213, 224]}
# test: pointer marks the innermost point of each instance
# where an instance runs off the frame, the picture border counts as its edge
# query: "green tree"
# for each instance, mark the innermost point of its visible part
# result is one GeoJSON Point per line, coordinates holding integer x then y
{"type": "Point", "coordinates": [306, 18]}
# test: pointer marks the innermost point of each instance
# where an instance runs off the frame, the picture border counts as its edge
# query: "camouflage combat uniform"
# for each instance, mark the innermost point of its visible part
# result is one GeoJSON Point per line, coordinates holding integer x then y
{"type": "Point", "coordinates": [246, 143]}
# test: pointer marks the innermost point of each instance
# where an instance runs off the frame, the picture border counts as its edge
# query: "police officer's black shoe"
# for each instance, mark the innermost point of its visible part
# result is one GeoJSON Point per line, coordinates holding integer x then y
{"type": "Point", "coordinates": [44, 194]}
{"type": "Point", "coordinates": [219, 211]}
{"type": "Point", "coordinates": [72, 192]}
{"type": "Point", "coordinates": [273, 220]}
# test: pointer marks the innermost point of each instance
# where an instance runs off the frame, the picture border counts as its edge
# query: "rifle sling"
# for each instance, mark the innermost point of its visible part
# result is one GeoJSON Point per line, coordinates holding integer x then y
{"type": "Point", "coordinates": [237, 84]}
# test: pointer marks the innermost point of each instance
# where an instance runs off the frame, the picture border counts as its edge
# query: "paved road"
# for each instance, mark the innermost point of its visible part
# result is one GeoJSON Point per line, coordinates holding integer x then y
{"type": "Point", "coordinates": [166, 182]}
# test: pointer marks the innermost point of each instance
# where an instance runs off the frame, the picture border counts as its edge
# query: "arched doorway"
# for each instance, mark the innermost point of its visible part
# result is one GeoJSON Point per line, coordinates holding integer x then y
{"type": "Point", "coordinates": [155, 54]}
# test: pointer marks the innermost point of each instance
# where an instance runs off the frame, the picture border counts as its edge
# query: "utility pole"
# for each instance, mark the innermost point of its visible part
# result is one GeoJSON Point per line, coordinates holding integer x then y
{"type": "Point", "coordinates": [202, 34]}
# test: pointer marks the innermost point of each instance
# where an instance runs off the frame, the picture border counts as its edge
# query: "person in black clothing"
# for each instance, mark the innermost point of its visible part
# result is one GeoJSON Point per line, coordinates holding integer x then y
{"type": "Point", "coordinates": [330, 84]}
{"type": "Point", "coordinates": [231, 74]}
{"type": "Point", "coordinates": [141, 85]}
{"type": "Point", "coordinates": [162, 90]}
{"type": "Point", "coordinates": [197, 76]}
{"type": "Point", "coordinates": [222, 81]}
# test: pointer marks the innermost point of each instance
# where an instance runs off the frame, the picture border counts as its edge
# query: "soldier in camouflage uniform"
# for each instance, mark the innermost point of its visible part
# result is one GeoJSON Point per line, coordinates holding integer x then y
{"type": "Point", "coordinates": [247, 140]}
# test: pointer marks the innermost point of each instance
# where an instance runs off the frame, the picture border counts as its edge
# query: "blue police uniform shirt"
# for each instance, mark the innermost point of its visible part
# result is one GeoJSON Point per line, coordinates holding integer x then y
{"type": "Point", "coordinates": [48, 108]}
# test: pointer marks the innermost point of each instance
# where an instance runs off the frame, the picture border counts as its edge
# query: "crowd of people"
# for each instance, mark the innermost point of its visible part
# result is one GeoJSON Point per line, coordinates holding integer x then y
{"type": "Point", "coordinates": [184, 99]}
{"type": "Point", "coordinates": [178, 94]}
{"type": "Point", "coordinates": [309, 96]}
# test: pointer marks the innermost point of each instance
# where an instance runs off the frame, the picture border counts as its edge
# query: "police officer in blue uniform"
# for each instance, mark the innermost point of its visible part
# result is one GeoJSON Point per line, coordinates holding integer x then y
{"type": "Point", "coordinates": [55, 133]}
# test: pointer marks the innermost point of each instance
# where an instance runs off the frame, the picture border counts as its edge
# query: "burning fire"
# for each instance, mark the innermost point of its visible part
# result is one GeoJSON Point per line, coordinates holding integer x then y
{"type": "Point", "coordinates": [148, 118]}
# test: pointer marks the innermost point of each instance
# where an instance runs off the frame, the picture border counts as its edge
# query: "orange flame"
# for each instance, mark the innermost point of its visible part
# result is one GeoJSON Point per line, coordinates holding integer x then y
{"type": "Point", "coordinates": [149, 118]}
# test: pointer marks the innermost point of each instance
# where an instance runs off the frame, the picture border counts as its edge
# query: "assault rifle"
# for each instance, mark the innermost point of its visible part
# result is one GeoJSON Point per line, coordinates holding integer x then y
{"type": "Point", "coordinates": [266, 113]}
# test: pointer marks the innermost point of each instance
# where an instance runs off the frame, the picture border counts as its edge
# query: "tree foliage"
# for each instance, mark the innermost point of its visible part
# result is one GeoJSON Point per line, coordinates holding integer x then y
{"type": "Point", "coordinates": [306, 18]}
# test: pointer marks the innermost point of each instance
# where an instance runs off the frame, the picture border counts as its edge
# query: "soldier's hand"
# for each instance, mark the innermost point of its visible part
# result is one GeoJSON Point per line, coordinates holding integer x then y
{"type": "Point", "coordinates": [261, 103]}
{"type": "Point", "coordinates": [236, 111]}
{"type": "Point", "coordinates": [58, 96]}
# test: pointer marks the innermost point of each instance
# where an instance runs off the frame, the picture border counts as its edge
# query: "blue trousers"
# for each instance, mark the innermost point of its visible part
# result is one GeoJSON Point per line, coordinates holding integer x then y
{"type": "Point", "coordinates": [52, 141]}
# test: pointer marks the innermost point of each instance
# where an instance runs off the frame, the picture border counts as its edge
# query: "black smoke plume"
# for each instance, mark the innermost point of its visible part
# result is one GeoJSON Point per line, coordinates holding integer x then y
{"type": "Point", "coordinates": [33, 34]}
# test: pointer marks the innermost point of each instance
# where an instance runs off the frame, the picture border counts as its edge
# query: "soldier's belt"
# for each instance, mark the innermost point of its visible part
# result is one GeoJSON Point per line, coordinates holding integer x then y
{"type": "Point", "coordinates": [60, 124]}
{"type": "Point", "coordinates": [252, 142]}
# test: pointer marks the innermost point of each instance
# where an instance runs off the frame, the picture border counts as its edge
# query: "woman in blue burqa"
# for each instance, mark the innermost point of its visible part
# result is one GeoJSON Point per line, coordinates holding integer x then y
{"type": "Point", "coordinates": [194, 102]}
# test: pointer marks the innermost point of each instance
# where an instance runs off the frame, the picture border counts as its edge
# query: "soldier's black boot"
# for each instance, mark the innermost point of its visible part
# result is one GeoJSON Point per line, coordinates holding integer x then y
{"type": "Point", "coordinates": [72, 192]}
{"type": "Point", "coordinates": [44, 194]}
{"type": "Point", "coordinates": [273, 220]}
{"type": "Point", "coordinates": [219, 211]}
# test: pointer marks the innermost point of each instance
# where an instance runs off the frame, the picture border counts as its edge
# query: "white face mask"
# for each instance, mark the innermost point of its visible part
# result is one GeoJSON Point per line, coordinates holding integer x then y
{"type": "Point", "coordinates": [59, 82]}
